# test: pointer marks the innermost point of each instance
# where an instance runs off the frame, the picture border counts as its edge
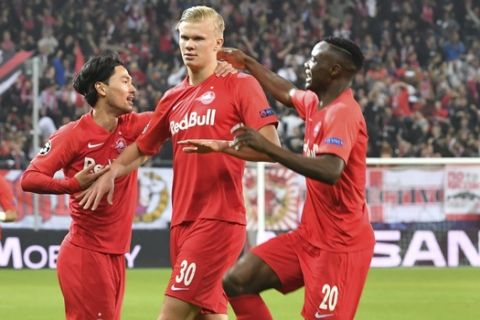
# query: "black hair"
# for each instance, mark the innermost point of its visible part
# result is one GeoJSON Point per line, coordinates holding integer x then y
{"type": "Point", "coordinates": [97, 69]}
{"type": "Point", "coordinates": [348, 47]}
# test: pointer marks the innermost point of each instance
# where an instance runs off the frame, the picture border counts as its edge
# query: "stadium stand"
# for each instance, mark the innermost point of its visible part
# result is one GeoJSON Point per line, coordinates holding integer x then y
{"type": "Point", "coordinates": [420, 88]}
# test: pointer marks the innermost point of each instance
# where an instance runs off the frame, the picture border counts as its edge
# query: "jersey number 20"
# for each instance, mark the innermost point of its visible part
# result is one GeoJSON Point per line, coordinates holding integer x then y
{"type": "Point", "coordinates": [330, 297]}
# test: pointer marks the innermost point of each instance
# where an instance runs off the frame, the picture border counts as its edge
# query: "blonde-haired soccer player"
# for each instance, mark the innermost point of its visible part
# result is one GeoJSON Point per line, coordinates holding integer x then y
{"type": "Point", "coordinates": [208, 220]}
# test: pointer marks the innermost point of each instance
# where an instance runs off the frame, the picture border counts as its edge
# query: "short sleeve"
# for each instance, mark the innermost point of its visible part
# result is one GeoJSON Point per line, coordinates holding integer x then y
{"type": "Point", "coordinates": [304, 101]}
{"type": "Point", "coordinates": [57, 153]}
{"type": "Point", "coordinates": [140, 121]}
{"type": "Point", "coordinates": [156, 131]}
{"type": "Point", "coordinates": [252, 103]}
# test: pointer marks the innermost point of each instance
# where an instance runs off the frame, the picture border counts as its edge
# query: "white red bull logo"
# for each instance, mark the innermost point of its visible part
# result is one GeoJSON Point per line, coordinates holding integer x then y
{"type": "Point", "coordinates": [193, 119]}
{"type": "Point", "coordinates": [89, 161]}
{"type": "Point", "coordinates": [310, 151]}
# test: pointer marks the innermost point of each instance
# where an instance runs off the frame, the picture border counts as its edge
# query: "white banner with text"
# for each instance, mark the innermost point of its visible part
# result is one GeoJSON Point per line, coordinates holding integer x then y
{"type": "Point", "coordinates": [394, 195]}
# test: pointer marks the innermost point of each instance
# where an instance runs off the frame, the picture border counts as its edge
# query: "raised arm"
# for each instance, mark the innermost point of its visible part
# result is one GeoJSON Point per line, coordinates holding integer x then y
{"type": "Point", "coordinates": [207, 145]}
{"type": "Point", "coordinates": [279, 87]}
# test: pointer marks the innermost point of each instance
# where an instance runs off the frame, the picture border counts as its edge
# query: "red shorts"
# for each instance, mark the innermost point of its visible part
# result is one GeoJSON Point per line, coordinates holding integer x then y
{"type": "Point", "coordinates": [92, 283]}
{"type": "Point", "coordinates": [201, 252]}
{"type": "Point", "coordinates": [333, 280]}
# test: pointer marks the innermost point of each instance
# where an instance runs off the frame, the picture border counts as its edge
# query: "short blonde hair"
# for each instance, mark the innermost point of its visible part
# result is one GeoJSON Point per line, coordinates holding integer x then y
{"type": "Point", "coordinates": [202, 13]}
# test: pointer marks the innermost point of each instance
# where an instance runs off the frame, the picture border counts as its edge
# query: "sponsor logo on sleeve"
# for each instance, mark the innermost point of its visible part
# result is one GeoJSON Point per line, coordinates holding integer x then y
{"type": "Point", "coordinates": [334, 140]}
{"type": "Point", "coordinates": [266, 112]}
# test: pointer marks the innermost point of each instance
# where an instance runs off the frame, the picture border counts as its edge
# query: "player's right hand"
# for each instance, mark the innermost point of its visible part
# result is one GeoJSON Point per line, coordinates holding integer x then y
{"type": "Point", "coordinates": [203, 145]}
{"type": "Point", "coordinates": [87, 176]}
{"type": "Point", "coordinates": [233, 56]}
{"type": "Point", "coordinates": [90, 198]}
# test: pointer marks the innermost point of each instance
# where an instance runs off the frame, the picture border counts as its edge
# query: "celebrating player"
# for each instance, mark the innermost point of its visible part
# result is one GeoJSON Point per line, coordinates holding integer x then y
{"type": "Point", "coordinates": [330, 252]}
{"type": "Point", "coordinates": [91, 262]}
{"type": "Point", "coordinates": [208, 220]}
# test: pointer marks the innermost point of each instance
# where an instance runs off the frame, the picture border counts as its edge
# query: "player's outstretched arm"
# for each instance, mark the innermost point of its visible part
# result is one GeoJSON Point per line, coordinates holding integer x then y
{"type": "Point", "coordinates": [279, 87]}
{"type": "Point", "coordinates": [130, 159]}
{"type": "Point", "coordinates": [208, 145]}
{"type": "Point", "coordinates": [326, 168]}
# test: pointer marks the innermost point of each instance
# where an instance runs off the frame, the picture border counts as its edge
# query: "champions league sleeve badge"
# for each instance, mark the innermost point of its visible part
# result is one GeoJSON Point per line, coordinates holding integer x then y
{"type": "Point", "coordinates": [46, 148]}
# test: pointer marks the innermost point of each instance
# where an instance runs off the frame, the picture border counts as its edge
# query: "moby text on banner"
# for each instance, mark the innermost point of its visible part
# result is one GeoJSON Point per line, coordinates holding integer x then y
{"type": "Point", "coordinates": [394, 248]}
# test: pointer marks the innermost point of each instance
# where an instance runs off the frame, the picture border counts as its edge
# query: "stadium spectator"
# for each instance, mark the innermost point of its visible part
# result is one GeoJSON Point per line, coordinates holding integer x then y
{"type": "Point", "coordinates": [330, 252]}
{"type": "Point", "coordinates": [46, 126]}
{"type": "Point", "coordinates": [208, 218]}
{"type": "Point", "coordinates": [7, 46]}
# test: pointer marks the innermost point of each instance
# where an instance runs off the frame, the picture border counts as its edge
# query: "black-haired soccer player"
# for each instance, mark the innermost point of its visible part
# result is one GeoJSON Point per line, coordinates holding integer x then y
{"type": "Point", "coordinates": [331, 251]}
{"type": "Point", "coordinates": [91, 262]}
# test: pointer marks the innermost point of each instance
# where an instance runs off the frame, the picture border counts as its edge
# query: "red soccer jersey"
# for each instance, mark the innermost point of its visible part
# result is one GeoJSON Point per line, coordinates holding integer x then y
{"type": "Point", "coordinates": [74, 147]}
{"type": "Point", "coordinates": [7, 201]}
{"type": "Point", "coordinates": [335, 217]}
{"type": "Point", "coordinates": [207, 186]}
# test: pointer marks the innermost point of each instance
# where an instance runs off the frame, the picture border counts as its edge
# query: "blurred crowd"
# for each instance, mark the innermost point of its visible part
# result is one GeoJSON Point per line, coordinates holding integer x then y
{"type": "Point", "coordinates": [419, 89]}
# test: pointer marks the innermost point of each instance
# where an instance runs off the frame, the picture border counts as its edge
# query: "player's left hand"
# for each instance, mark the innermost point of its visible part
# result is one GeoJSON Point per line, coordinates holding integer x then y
{"type": "Point", "coordinates": [234, 56]}
{"type": "Point", "coordinates": [224, 69]}
{"type": "Point", "coordinates": [204, 145]}
{"type": "Point", "coordinates": [248, 137]}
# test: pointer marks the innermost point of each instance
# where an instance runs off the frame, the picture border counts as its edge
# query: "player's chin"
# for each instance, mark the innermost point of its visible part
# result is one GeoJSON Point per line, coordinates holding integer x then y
{"type": "Point", "coordinates": [191, 64]}
{"type": "Point", "coordinates": [127, 108]}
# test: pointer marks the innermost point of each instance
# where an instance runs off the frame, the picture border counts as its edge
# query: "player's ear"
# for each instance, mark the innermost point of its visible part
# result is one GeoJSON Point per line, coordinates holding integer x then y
{"type": "Point", "coordinates": [335, 70]}
{"type": "Point", "coordinates": [100, 88]}
{"type": "Point", "coordinates": [219, 44]}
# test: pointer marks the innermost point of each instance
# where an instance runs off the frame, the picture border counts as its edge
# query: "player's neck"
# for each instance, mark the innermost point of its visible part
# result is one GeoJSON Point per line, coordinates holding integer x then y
{"type": "Point", "coordinates": [105, 119]}
{"type": "Point", "coordinates": [332, 93]}
{"type": "Point", "coordinates": [196, 77]}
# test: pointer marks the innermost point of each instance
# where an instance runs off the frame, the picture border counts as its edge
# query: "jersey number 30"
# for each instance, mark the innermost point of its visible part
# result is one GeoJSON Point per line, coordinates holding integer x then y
{"type": "Point", "coordinates": [187, 272]}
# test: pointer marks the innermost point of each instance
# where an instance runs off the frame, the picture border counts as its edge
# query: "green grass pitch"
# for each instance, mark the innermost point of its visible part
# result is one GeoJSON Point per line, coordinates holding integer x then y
{"type": "Point", "coordinates": [390, 294]}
